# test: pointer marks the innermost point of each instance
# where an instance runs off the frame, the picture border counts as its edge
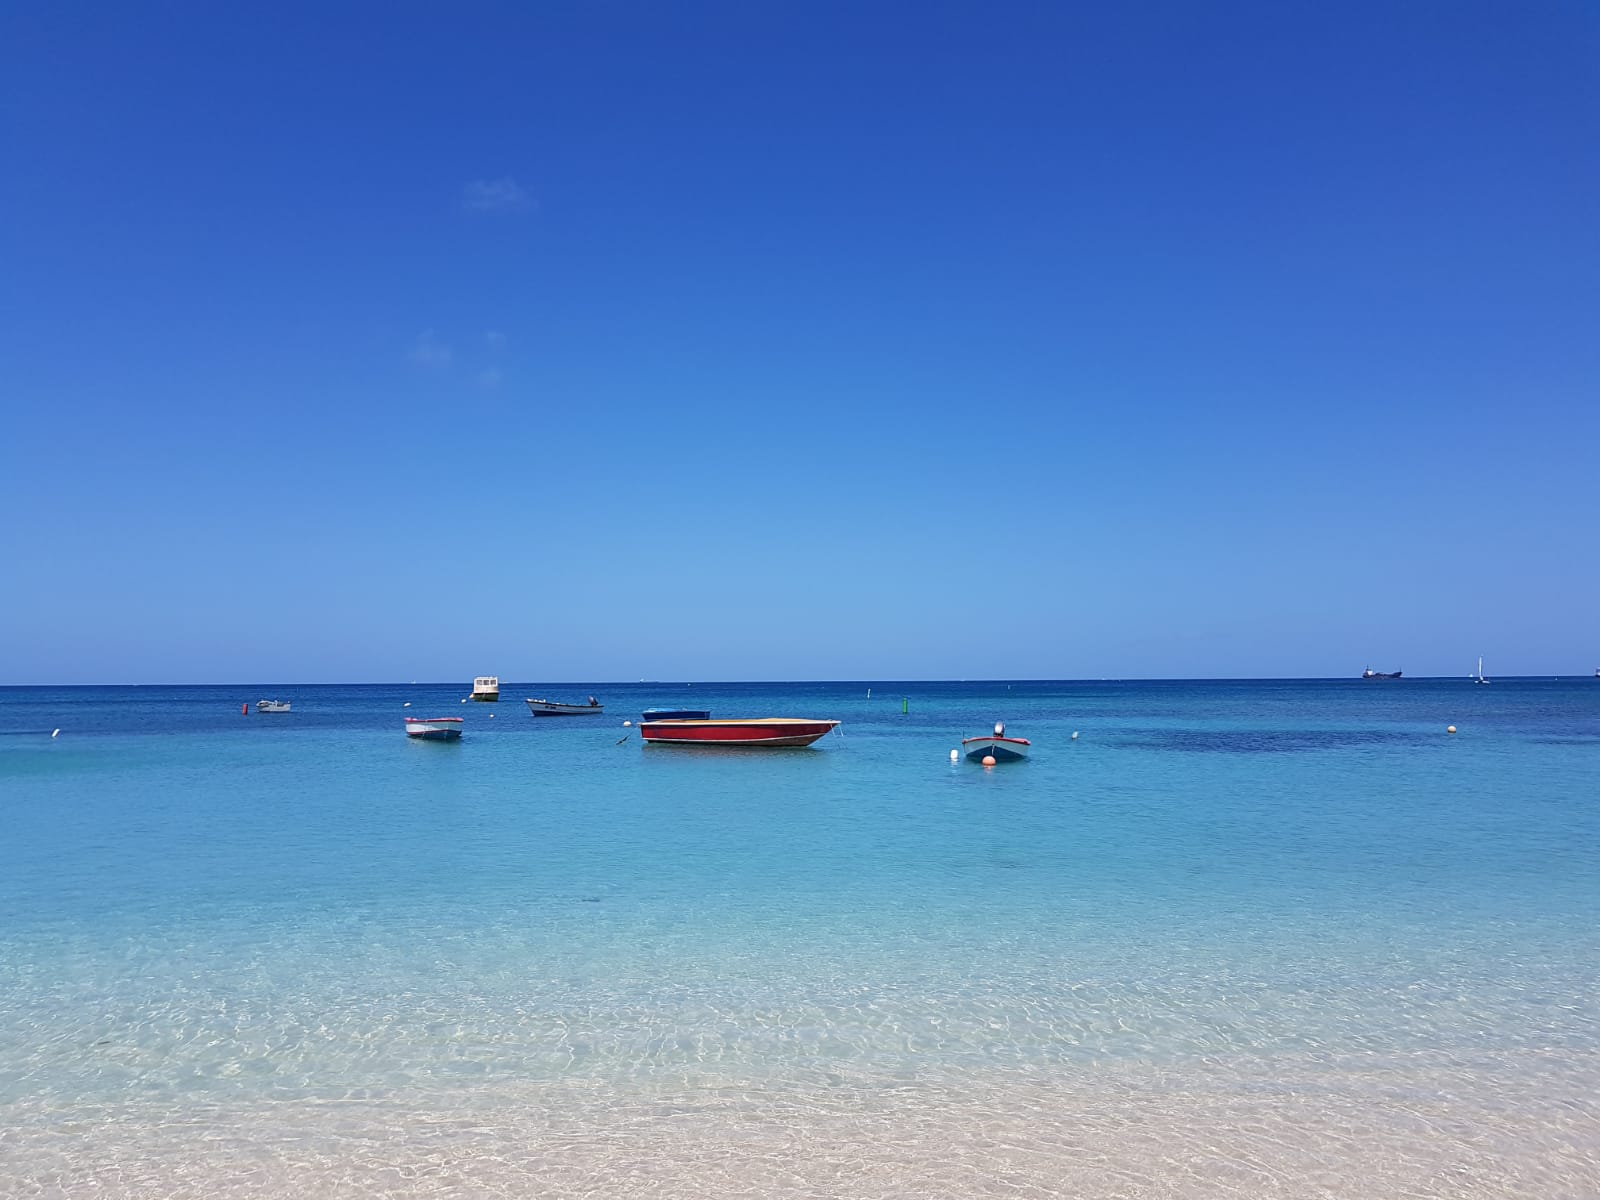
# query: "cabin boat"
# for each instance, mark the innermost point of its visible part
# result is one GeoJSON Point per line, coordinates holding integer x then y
{"type": "Point", "coordinates": [751, 732]}
{"type": "Point", "coordinates": [486, 688]}
{"type": "Point", "coordinates": [272, 706]}
{"type": "Point", "coordinates": [996, 745]}
{"type": "Point", "coordinates": [1369, 673]}
{"type": "Point", "coordinates": [676, 714]}
{"type": "Point", "coordinates": [434, 729]}
{"type": "Point", "coordinates": [557, 708]}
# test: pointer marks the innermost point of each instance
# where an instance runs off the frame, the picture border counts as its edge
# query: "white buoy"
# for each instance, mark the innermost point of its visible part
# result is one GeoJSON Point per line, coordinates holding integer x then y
{"type": "Point", "coordinates": [627, 724]}
{"type": "Point", "coordinates": [491, 716]}
{"type": "Point", "coordinates": [55, 731]}
{"type": "Point", "coordinates": [1074, 735]}
{"type": "Point", "coordinates": [463, 699]}
{"type": "Point", "coordinates": [955, 756]}
{"type": "Point", "coordinates": [407, 704]}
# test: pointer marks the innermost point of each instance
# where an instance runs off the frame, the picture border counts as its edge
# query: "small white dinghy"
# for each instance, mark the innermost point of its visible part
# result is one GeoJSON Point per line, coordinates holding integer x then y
{"type": "Point", "coordinates": [997, 746]}
{"type": "Point", "coordinates": [434, 729]}
{"type": "Point", "coordinates": [272, 706]}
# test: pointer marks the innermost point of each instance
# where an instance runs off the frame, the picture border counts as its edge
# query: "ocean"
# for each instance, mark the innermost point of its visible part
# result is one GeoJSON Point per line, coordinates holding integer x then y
{"type": "Point", "coordinates": [1258, 939]}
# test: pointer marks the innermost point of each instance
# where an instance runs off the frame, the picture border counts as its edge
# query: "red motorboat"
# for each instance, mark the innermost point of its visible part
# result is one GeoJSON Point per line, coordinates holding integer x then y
{"type": "Point", "coordinates": [754, 731]}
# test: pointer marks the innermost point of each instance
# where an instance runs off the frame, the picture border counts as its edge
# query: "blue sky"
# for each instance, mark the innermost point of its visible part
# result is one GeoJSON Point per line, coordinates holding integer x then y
{"type": "Point", "coordinates": [604, 341]}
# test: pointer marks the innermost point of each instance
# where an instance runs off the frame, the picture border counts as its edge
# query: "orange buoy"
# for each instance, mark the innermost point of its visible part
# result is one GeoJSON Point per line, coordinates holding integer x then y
{"type": "Point", "coordinates": [245, 709]}
{"type": "Point", "coordinates": [988, 760]}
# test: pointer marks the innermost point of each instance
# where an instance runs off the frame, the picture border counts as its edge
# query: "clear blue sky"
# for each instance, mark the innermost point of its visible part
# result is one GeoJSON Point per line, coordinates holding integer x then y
{"type": "Point", "coordinates": [763, 341]}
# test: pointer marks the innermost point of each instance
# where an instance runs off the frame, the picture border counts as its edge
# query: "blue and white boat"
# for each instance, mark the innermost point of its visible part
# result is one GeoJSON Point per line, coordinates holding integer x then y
{"type": "Point", "coordinates": [434, 729]}
{"type": "Point", "coordinates": [997, 746]}
{"type": "Point", "coordinates": [560, 708]}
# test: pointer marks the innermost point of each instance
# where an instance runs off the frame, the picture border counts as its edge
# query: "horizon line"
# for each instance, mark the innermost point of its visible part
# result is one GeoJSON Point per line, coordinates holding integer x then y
{"type": "Point", "coordinates": [861, 681]}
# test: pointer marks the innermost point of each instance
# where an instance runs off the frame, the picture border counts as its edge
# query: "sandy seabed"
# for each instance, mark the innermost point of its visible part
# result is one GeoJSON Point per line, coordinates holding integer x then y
{"type": "Point", "coordinates": [1518, 1126]}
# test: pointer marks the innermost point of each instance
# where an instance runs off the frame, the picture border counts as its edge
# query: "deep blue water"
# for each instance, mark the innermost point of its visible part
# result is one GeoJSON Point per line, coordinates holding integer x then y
{"type": "Point", "coordinates": [200, 908]}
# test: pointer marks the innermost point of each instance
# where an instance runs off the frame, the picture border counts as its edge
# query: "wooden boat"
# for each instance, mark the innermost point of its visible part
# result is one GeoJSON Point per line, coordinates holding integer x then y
{"type": "Point", "coordinates": [273, 706]}
{"type": "Point", "coordinates": [486, 688]}
{"type": "Point", "coordinates": [1369, 673]}
{"type": "Point", "coordinates": [556, 708]}
{"type": "Point", "coordinates": [753, 732]}
{"type": "Point", "coordinates": [676, 714]}
{"type": "Point", "coordinates": [435, 729]}
{"type": "Point", "coordinates": [996, 745]}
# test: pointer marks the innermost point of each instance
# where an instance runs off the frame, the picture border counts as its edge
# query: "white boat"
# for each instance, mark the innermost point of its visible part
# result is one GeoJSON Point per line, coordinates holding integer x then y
{"type": "Point", "coordinates": [272, 705]}
{"type": "Point", "coordinates": [436, 729]}
{"type": "Point", "coordinates": [997, 746]}
{"type": "Point", "coordinates": [486, 687]}
{"type": "Point", "coordinates": [556, 708]}
{"type": "Point", "coordinates": [1479, 677]}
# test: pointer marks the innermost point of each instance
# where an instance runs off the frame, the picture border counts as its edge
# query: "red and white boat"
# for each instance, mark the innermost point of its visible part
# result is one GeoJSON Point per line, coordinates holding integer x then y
{"type": "Point", "coordinates": [435, 729]}
{"type": "Point", "coordinates": [762, 732]}
{"type": "Point", "coordinates": [997, 746]}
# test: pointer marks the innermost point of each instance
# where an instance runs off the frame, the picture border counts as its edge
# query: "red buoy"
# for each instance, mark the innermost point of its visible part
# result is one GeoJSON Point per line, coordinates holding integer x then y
{"type": "Point", "coordinates": [245, 709]}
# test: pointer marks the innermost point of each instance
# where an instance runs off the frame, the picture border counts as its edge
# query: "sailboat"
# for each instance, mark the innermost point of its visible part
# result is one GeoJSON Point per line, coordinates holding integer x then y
{"type": "Point", "coordinates": [1479, 677]}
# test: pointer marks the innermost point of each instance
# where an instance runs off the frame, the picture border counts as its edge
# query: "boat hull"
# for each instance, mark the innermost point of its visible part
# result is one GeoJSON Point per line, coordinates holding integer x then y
{"type": "Point", "coordinates": [1001, 749]}
{"type": "Point", "coordinates": [434, 729]}
{"type": "Point", "coordinates": [554, 708]}
{"type": "Point", "coordinates": [770, 733]}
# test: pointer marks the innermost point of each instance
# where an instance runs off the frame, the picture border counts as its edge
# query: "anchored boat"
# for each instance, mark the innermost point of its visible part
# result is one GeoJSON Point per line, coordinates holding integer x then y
{"type": "Point", "coordinates": [486, 688]}
{"type": "Point", "coordinates": [434, 729]}
{"type": "Point", "coordinates": [754, 732]}
{"type": "Point", "coordinates": [272, 706]}
{"type": "Point", "coordinates": [556, 708]}
{"type": "Point", "coordinates": [997, 746]}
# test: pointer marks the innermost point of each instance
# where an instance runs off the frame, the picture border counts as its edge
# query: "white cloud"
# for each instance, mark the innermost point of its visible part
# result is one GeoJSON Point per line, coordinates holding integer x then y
{"type": "Point", "coordinates": [494, 195]}
{"type": "Point", "coordinates": [430, 351]}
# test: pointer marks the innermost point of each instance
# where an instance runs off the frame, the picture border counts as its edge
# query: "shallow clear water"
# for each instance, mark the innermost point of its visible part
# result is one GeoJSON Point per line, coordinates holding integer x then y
{"type": "Point", "coordinates": [1237, 938]}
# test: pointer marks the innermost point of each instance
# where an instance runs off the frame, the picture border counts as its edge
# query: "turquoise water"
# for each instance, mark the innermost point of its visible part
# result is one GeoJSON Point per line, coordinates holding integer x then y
{"type": "Point", "coordinates": [1237, 938]}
